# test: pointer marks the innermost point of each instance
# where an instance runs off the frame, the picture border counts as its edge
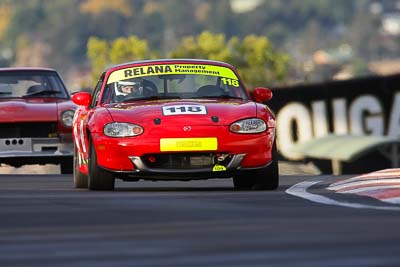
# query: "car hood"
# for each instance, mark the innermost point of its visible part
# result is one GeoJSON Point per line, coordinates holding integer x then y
{"type": "Point", "coordinates": [26, 110]}
{"type": "Point", "coordinates": [202, 112]}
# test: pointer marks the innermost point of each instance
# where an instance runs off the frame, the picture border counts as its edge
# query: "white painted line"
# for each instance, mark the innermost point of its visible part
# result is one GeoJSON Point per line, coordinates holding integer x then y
{"type": "Point", "coordinates": [383, 174]}
{"type": "Point", "coordinates": [368, 188]}
{"type": "Point", "coordinates": [365, 178]}
{"type": "Point", "coordinates": [300, 190]}
{"type": "Point", "coordinates": [393, 200]}
{"type": "Point", "coordinates": [362, 183]}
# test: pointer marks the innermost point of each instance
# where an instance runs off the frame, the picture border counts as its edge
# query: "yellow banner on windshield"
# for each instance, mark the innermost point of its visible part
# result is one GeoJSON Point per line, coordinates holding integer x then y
{"type": "Point", "coordinates": [150, 70]}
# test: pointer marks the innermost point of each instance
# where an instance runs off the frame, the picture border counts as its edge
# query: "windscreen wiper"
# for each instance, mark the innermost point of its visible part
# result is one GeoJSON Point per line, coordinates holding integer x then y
{"type": "Point", "coordinates": [149, 98]}
{"type": "Point", "coordinates": [219, 96]}
{"type": "Point", "coordinates": [42, 92]}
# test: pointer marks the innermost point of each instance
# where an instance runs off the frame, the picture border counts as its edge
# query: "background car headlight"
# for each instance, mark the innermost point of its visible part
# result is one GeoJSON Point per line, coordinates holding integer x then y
{"type": "Point", "coordinates": [121, 129]}
{"type": "Point", "coordinates": [67, 117]}
{"type": "Point", "coordinates": [248, 126]}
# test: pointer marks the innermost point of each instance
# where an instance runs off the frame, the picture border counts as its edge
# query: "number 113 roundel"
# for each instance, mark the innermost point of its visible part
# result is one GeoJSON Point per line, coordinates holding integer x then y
{"type": "Point", "coordinates": [174, 119]}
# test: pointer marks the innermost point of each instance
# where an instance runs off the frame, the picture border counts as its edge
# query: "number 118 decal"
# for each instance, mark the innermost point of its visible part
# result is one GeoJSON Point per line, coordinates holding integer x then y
{"type": "Point", "coordinates": [184, 109]}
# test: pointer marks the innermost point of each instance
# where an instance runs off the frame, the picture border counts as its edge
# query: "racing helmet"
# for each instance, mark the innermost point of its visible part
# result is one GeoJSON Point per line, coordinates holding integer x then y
{"type": "Point", "coordinates": [136, 83]}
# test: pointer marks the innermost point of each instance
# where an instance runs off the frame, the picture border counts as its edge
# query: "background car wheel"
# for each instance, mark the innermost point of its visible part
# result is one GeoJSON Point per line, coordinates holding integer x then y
{"type": "Point", "coordinates": [66, 166]}
{"type": "Point", "coordinates": [262, 179]}
{"type": "Point", "coordinates": [98, 178]}
{"type": "Point", "coordinates": [80, 179]}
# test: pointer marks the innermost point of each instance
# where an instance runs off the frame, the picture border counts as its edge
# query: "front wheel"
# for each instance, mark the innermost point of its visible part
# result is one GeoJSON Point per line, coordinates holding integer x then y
{"type": "Point", "coordinates": [66, 166]}
{"type": "Point", "coordinates": [261, 179]}
{"type": "Point", "coordinates": [99, 179]}
{"type": "Point", "coordinates": [80, 179]}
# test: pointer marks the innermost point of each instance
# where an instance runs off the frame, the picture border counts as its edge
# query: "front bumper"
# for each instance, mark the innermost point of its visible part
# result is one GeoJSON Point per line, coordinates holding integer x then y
{"type": "Point", "coordinates": [129, 154]}
{"type": "Point", "coordinates": [21, 151]}
{"type": "Point", "coordinates": [143, 172]}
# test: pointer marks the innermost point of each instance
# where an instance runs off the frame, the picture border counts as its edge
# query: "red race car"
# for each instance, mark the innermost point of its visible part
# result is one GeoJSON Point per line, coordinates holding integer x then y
{"type": "Point", "coordinates": [174, 119]}
{"type": "Point", "coordinates": [36, 115]}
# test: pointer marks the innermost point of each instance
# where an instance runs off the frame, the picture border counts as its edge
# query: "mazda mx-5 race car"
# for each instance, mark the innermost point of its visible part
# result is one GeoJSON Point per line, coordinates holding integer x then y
{"type": "Point", "coordinates": [174, 119]}
{"type": "Point", "coordinates": [36, 115]}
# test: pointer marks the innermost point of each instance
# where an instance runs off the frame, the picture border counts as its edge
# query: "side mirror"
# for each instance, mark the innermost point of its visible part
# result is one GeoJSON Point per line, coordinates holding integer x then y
{"type": "Point", "coordinates": [262, 94]}
{"type": "Point", "coordinates": [82, 98]}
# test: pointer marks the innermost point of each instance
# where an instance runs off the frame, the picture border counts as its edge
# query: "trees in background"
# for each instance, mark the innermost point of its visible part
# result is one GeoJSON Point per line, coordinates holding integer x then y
{"type": "Point", "coordinates": [103, 53]}
{"type": "Point", "coordinates": [61, 29]}
{"type": "Point", "coordinates": [257, 61]}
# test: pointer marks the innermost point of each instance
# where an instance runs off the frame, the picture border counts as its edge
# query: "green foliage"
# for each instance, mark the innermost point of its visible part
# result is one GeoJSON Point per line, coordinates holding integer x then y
{"type": "Point", "coordinates": [205, 45]}
{"type": "Point", "coordinates": [102, 53]}
{"type": "Point", "coordinates": [257, 62]}
{"type": "Point", "coordinates": [6, 13]}
{"type": "Point", "coordinates": [129, 49]}
{"type": "Point", "coordinates": [98, 54]}
{"type": "Point", "coordinates": [64, 29]}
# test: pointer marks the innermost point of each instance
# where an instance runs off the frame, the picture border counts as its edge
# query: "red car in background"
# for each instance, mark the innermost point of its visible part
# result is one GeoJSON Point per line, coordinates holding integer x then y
{"type": "Point", "coordinates": [36, 115]}
{"type": "Point", "coordinates": [176, 119]}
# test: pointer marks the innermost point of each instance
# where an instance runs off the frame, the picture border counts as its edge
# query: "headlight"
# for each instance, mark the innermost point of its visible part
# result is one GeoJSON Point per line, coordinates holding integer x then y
{"type": "Point", "coordinates": [121, 129]}
{"type": "Point", "coordinates": [248, 126]}
{"type": "Point", "coordinates": [67, 117]}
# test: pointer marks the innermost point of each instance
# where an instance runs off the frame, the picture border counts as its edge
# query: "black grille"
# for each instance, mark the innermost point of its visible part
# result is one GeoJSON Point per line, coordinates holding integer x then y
{"type": "Point", "coordinates": [31, 129]}
{"type": "Point", "coordinates": [183, 160]}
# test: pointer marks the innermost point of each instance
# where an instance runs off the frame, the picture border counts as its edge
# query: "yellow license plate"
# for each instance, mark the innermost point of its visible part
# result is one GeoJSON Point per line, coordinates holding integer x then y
{"type": "Point", "coordinates": [188, 144]}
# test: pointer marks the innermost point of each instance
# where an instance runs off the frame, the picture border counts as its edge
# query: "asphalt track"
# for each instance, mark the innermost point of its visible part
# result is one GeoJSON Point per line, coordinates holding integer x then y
{"type": "Point", "coordinates": [44, 221]}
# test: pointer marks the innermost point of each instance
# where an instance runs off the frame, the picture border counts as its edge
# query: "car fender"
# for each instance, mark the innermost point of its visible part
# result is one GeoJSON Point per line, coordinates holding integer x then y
{"type": "Point", "coordinates": [263, 112]}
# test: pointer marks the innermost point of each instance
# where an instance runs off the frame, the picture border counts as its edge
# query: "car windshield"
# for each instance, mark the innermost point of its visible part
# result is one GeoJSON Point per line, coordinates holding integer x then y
{"type": "Point", "coordinates": [175, 81]}
{"type": "Point", "coordinates": [31, 84]}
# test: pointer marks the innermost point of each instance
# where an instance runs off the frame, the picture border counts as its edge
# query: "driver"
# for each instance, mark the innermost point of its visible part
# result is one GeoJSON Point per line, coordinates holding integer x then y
{"type": "Point", "coordinates": [129, 88]}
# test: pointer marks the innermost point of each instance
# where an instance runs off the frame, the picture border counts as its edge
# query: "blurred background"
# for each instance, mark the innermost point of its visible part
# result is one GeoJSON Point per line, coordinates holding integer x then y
{"type": "Point", "coordinates": [272, 42]}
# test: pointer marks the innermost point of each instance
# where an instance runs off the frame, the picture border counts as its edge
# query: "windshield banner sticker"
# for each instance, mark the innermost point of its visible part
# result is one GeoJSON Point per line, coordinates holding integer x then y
{"type": "Point", "coordinates": [142, 71]}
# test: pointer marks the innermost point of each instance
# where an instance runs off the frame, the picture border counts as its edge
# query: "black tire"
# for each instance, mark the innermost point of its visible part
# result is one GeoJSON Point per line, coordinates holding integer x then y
{"type": "Point", "coordinates": [243, 181]}
{"type": "Point", "coordinates": [261, 179]}
{"type": "Point", "coordinates": [98, 178]}
{"type": "Point", "coordinates": [267, 178]}
{"type": "Point", "coordinates": [80, 179]}
{"type": "Point", "coordinates": [66, 166]}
